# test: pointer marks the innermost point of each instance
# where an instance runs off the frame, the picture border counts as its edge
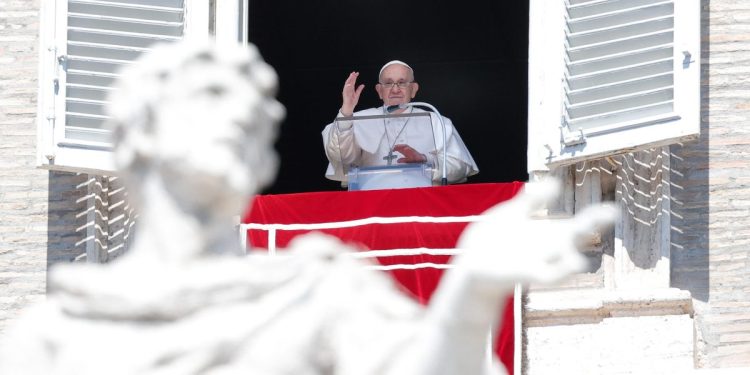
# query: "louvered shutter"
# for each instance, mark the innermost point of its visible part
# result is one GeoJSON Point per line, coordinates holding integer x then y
{"type": "Point", "coordinates": [85, 45]}
{"type": "Point", "coordinates": [629, 77]}
{"type": "Point", "coordinates": [104, 36]}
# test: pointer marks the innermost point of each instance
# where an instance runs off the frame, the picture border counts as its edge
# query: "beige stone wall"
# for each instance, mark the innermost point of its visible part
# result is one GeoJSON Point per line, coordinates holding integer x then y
{"type": "Point", "coordinates": [23, 189]}
{"type": "Point", "coordinates": [711, 192]}
{"type": "Point", "coordinates": [46, 217]}
{"type": "Point", "coordinates": [708, 201]}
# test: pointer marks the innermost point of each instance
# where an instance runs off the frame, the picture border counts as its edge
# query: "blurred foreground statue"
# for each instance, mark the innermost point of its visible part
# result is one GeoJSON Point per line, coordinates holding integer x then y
{"type": "Point", "coordinates": [194, 126]}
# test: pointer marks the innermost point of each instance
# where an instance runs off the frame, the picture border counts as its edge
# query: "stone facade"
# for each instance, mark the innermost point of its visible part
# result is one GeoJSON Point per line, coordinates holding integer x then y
{"type": "Point", "coordinates": [711, 194]}
{"type": "Point", "coordinates": [685, 230]}
{"type": "Point", "coordinates": [46, 217]}
{"type": "Point", "coordinates": [24, 190]}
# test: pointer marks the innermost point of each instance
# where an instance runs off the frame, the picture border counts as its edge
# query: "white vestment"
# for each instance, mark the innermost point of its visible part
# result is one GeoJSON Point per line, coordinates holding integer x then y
{"type": "Point", "coordinates": [369, 142]}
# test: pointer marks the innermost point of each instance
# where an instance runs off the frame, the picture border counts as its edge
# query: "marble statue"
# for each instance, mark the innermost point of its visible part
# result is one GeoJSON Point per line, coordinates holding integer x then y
{"type": "Point", "coordinates": [194, 127]}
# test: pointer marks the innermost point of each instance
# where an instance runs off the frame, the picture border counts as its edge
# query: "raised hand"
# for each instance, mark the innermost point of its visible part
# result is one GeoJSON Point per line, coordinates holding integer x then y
{"type": "Point", "coordinates": [410, 154]}
{"type": "Point", "coordinates": [350, 94]}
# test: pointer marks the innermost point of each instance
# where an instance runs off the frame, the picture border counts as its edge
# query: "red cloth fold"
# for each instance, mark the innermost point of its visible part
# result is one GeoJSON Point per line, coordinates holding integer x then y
{"type": "Point", "coordinates": [440, 201]}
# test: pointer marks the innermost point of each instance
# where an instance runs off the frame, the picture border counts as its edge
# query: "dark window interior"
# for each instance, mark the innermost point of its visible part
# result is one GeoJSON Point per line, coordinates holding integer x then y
{"type": "Point", "coordinates": [469, 57]}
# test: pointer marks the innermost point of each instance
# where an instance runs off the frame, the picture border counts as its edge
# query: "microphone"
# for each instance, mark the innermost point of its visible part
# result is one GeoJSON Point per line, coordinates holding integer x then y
{"type": "Point", "coordinates": [395, 107]}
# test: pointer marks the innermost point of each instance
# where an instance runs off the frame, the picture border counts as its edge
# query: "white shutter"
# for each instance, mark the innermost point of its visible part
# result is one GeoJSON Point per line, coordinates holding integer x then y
{"type": "Point", "coordinates": [233, 26]}
{"type": "Point", "coordinates": [103, 37]}
{"type": "Point", "coordinates": [85, 44]}
{"type": "Point", "coordinates": [628, 75]}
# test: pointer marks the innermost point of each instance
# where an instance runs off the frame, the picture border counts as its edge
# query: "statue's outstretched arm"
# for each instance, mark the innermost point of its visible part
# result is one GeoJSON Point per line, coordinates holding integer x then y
{"type": "Point", "coordinates": [509, 246]}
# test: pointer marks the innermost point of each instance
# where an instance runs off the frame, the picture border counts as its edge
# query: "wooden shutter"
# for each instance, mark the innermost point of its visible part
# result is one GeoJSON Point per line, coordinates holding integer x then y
{"type": "Point", "coordinates": [85, 44]}
{"type": "Point", "coordinates": [103, 36]}
{"type": "Point", "coordinates": [629, 80]}
{"type": "Point", "coordinates": [618, 66]}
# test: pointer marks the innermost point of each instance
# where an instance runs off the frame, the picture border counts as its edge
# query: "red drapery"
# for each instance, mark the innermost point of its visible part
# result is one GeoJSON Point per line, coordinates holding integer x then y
{"type": "Point", "coordinates": [453, 200]}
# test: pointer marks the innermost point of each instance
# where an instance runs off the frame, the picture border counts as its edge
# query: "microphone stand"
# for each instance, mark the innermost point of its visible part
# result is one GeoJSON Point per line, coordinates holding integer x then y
{"type": "Point", "coordinates": [392, 108]}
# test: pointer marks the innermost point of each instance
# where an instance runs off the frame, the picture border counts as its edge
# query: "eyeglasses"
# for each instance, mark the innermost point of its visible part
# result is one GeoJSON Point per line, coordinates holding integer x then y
{"type": "Point", "coordinates": [401, 85]}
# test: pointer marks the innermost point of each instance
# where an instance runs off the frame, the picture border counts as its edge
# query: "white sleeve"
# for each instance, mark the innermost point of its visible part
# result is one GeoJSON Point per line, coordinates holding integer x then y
{"type": "Point", "coordinates": [458, 161]}
{"type": "Point", "coordinates": [340, 146]}
{"type": "Point", "coordinates": [456, 169]}
{"type": "Point", "coordinates": [339, 142]}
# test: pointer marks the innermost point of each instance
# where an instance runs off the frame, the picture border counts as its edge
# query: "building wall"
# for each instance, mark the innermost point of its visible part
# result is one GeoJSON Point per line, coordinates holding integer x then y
{"type": "Point", "coordinates": [23, 189]}
{"type": "Point", "coordinates": [701, 191]}
{"type": "Point", "coordinates": [711, 193]}
{"type": "Point", "coordinates": [46, 217]}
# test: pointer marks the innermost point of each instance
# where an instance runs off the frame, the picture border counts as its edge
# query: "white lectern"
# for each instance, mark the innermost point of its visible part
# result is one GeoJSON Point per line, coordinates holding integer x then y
{"type": "Point", "coordinates": [390, 177]}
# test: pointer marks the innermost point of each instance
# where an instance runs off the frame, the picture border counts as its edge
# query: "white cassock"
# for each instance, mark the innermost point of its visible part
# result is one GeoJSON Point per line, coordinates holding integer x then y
{"type": "Point", "coordinates": [366, 143]}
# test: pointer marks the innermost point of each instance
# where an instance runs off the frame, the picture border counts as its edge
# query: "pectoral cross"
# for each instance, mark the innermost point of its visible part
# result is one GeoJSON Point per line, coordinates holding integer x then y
{"type": "Point", "coordinates": [389, 158]}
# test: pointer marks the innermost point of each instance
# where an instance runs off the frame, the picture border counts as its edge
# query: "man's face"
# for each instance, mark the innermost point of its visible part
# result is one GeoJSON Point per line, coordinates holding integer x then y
{"type": "Point", "coordinates": [395, 94]}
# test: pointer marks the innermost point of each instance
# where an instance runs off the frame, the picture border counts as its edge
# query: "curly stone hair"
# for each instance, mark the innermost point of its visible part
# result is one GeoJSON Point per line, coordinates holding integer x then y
{"type": "Point", "coordinates": [198, 109]}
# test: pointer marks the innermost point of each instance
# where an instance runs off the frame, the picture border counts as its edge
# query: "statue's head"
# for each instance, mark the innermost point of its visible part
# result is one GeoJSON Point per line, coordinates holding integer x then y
{"type": "Point", "coordinates": [200, 120]}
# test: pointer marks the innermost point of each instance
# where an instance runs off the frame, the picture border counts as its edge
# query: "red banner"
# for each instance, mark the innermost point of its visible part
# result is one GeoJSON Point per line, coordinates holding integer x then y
{"type": "Point", "coordinates": [436, 202]}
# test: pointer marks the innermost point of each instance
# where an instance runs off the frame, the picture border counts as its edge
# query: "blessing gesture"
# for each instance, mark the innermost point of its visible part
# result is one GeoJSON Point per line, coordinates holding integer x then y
{"type": "Point", "coordinates": [350, 94]}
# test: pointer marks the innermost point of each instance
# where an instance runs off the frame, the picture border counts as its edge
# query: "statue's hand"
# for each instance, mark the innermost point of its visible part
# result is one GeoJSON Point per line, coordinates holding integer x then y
{"type": "Point", "coordinates": [511, 245]}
